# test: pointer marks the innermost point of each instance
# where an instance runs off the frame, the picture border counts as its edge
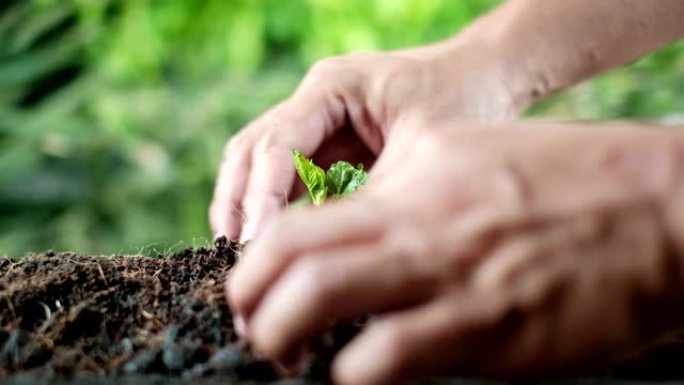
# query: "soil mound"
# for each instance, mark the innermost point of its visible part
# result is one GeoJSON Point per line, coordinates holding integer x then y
{"type": "Point", "coordinates": [64, 313]}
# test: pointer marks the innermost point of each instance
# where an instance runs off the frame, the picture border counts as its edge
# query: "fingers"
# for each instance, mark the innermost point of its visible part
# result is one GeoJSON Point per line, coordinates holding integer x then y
{"type": "Point", "coordinates": [303, 123]}
{"type": "Point", "coordinates": [326, 286]}
{"type": "Point", "coordinates": [269, 186]}
{"type": "Point", "coordinates": [299, 123]}
{"type": "Point", "coordinates": [536, 248]}
{"type": "Point", "coordinates": [257, 174]}
{"type": "Point", "coordinates": [287, 237]}
{"type": "Point", "coordinates": [430, 339]}
{"type": "Point", "coordinates": [225, 211]}
{"type": "Point", "coordinates": [273, 173]}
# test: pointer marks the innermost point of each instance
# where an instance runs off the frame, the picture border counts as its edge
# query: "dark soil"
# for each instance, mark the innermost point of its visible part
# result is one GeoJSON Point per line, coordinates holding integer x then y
{"type": "Point", "coordinates": [64, 314]}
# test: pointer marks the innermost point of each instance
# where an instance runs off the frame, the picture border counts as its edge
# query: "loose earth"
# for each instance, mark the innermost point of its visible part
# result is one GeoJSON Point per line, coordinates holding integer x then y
{"type": "Point", "coordinates": [65, 314]}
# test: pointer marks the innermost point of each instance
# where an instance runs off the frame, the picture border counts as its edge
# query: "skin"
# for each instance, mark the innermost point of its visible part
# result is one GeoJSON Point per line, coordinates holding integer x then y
{"type": "Point", "coordinates": [348, 107]}
{"type": "Point", "coordinates": [495, 262]}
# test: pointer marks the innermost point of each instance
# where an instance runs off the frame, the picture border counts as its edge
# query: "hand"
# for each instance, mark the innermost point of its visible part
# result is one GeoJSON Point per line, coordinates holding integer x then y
{"type": "Point", "coordinates": [346, 108]}
{"type": "Point", "coordinates": [494, 251]}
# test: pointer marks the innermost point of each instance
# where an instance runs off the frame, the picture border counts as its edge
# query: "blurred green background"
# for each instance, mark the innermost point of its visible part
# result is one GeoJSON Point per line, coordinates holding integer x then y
{"type": "Point", "coordinates": [113, 113]}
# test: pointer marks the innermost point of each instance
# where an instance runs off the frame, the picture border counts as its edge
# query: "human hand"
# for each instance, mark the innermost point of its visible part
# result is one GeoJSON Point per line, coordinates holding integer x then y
{"type": "Point", "coordinates": [347, 108]}
{"type": "Point", "coordinates": [494, 251]}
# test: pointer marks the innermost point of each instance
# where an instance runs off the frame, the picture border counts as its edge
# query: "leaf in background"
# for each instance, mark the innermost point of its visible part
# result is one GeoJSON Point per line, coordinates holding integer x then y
{"type": "Point", "coordinates": [178, 75]}
{"type": "Point", "coordinates": [343, 179]}
{"type": "Point", "coordinates": [312, 176]}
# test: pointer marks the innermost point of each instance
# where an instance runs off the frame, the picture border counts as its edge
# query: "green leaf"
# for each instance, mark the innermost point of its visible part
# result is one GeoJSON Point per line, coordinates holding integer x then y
{"type": "Point", "coordinates": [313, 177]}
{"type": "Point", "coordinates": [343, 179]}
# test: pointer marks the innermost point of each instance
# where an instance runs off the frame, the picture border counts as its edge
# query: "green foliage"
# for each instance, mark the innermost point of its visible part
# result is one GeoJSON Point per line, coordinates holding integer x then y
{"type": "Point", "coordinates": [340, 180]}
{"type": "Point", "coordinates": [343, 179]}
{"type": "Point", "coordinates": [113, 113]}
{"type": "Point", "coordinates": [314, 177]}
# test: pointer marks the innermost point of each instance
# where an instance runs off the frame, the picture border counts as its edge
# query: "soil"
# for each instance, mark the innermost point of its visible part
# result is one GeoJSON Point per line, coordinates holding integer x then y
{"type": "Point", "coordinates": [65, 314]}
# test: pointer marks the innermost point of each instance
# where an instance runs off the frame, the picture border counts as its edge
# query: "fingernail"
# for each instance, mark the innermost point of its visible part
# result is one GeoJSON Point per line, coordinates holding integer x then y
{"type": "Point", "coordinates": [240, 326]}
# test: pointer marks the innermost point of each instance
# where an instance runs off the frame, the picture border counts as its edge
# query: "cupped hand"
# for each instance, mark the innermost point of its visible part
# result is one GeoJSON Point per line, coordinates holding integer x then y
{"type": "Point", "coordinates": [497, 251]}
{"type": "Point", "coordinates": [346, 108]}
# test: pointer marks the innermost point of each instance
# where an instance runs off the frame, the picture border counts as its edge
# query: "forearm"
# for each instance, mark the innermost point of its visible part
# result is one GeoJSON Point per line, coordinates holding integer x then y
{"type": "Point", "coordinates": [537, 47]}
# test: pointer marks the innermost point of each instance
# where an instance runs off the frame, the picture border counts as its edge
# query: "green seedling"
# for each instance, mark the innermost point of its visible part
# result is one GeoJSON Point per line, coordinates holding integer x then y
{"type": "Point", "coordinates": [340, 180]}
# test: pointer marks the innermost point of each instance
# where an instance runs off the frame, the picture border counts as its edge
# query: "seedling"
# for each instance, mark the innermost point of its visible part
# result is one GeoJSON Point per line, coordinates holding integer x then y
{"type": "Point", "coordinates": [340, 180]}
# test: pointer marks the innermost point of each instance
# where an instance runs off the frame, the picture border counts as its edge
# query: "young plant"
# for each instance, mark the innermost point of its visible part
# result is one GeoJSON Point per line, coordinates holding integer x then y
{"type": "Point", "coordinates": [340, 180]}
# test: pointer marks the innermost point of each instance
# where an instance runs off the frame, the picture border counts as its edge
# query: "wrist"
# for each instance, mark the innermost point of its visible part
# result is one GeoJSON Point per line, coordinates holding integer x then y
{"type": "Point", "coordinates": [529, 64]}
{"type": "Point", "coordinates": [480, 66]}
{"type": "Point", "coordinates": [504, 58]}
{"type": "Point", "coordinates": [541, 47]}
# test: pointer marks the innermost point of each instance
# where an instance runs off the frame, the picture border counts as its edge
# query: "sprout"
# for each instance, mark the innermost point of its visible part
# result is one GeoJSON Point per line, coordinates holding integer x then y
{"type": "Point", "coordinates": [340, 180]}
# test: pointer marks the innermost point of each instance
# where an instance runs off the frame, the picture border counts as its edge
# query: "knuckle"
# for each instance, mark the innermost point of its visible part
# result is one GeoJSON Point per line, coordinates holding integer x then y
{"type": "Point", "coordinates": [271, 141]}
{"type": "Point", "coordinates": [326, 68]}
{"type": "Point", "coordinates": [236, 143]}
{"type": "Point", "coordinates": [335, 73]}
{"type": "Point", "coordinates": [279, 131]}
